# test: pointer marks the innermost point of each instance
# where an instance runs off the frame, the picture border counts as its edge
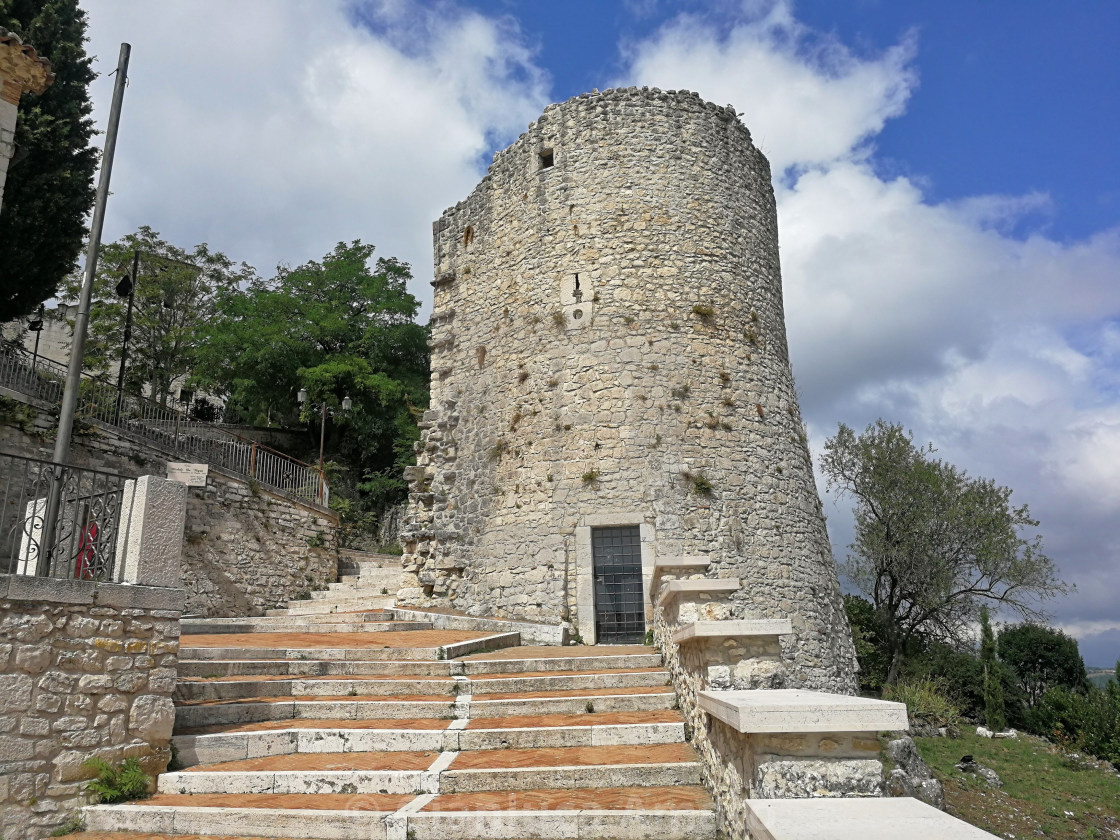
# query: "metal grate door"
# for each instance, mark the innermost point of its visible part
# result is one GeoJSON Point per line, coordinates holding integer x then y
{"type": "Point", "coordinates": [620, 612]}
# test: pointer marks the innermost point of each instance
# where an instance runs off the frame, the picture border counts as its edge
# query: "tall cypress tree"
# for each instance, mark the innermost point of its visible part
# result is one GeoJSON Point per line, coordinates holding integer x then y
{"type": "Point", "coordinates": [49, 189]}
{"type": "Point", "coordinates": [995, 714]}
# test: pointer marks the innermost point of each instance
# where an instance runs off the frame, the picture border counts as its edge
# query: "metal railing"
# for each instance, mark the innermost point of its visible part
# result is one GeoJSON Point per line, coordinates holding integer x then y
{"type": "Point", "coordinates": [166, 426]}
{"type": "Point", "coordinates": [57, 520]}
{"type": "Point", "coordinates": [31, 375]}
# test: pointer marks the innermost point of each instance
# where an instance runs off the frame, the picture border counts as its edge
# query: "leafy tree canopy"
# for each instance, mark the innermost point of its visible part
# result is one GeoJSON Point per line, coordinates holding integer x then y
{"type": "Point", "coordinates": [174, 295]}
{"type": "Point", "coordinates": [340, 327]}
{"type": "Point", "coordinates": [1043, 658]}
{"type": "Point", "coordinates": [931, 544]}
{"type": "Point", "coordinates": [49, 187]}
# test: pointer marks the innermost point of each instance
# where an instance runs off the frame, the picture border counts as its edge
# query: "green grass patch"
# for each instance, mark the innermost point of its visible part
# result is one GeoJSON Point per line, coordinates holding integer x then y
{"type": "Point", "coordinates": [1044, 793]}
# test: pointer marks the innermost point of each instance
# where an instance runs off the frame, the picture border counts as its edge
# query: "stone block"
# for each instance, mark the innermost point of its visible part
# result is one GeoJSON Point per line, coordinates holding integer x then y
{"type": "Point", "coordinates": [150, 539]}
{"type": "Point", "coordinates": [796, 710]}
{"type": "Point", "coordinates": [854, 819]}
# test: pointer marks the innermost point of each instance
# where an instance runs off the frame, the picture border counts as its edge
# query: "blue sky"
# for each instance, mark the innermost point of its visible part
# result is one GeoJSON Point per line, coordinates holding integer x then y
{"type": "Point", "coordinates": [948, 193]}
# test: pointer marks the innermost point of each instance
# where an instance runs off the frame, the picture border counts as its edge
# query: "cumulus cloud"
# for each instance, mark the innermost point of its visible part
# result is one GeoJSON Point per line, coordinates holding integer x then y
{"type": "Point", "coordinates": [962, 319]}
{"type": "Point", "coordinates": [291, 126]}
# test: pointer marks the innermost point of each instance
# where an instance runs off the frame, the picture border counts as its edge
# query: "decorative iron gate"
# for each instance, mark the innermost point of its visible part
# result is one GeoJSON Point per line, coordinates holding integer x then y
{"type": "Point", "coordinates": [620, 612]}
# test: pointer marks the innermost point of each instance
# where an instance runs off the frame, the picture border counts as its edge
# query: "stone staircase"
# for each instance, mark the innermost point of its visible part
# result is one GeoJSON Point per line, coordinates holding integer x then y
{"type": "Point", "coordinates": [342, 717]}
{"type": "Point", "coordinates": [366, 581]}
{"type": "Point", "coordinates": [403, 732]}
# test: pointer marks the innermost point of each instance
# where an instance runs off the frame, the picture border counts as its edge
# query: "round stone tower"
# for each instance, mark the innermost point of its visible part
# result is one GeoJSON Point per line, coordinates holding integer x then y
{"type": "Point", "coordinates": [611, 385]}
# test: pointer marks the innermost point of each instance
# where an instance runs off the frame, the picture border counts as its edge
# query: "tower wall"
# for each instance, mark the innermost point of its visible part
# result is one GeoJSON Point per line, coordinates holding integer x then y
{"type": "Point", "coordinates": [657, 393]}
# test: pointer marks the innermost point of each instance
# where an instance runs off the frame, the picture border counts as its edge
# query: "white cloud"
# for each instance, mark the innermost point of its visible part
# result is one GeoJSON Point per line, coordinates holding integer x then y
{"type": "Point", "coordinates": [291, 126]}
{"type": "Point", "coordinates": [807, 99]}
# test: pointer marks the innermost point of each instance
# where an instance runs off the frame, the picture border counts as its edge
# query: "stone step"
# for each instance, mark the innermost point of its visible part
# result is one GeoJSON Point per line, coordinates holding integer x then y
{"type": "Point", "coordinates": [416, 645]}
{"type": "Point", "coordinates": [304, 663]}
{"type": "Point", "coordinates": [368, 578]}
{"type": "Point", "coordinates": [326, 623]}
{"type": "Point", "coordinates": [195, 689]}
{"type": "Point", "coordinates": [340, 604]}
{"type": "Point", "coordinates": [209, 668]}
{"type": "Point", "coordinates": [359, 707]}
{"type": "Point", "coordinates": [669, 813]}
{"type": "Point", "coordinates": [444, 772]}
{"type": "Point", "coordinates": [439, 736]}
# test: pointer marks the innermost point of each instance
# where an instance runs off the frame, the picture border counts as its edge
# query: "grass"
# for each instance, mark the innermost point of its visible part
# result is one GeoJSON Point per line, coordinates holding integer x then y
{"type": "Point", "coordinates": [1044, 793]}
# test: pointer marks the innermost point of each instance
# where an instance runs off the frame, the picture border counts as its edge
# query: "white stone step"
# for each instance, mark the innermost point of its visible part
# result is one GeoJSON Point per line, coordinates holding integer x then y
{"type": "Point", "coordinates": [615, 824]}
{"type": "Point", "coordinates": [191, 716]}
{"type": "Point", "coordinates": [232, 688]}
{"type": "Point", "coordinates": [212, 748]}
{"type": "Point", "coordinates": [797, 710]}
{"type": "Point", "coordinates": [855, 819]}
{"type": "Point", "coordinates": [433, 780]}
{"type": "Point", "coordinates": [346, 604]}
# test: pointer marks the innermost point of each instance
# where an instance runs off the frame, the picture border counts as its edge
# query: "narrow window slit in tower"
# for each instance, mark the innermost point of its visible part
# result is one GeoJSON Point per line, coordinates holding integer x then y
{"type": "Point", "coordinates": [547, 159]}
{"type": "Point", "coordinates": [468, 235]}
{"type": "Point", "coordinates": [576, 293]}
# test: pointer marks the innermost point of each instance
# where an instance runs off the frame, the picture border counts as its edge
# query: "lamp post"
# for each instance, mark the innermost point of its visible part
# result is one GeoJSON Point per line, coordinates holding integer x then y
{"type": "Point", "coordinates": [346, 404]}
{"type": "Point", "coordinates": [36, 326]}
{"type": "Point", "coordinates": [126, 288]}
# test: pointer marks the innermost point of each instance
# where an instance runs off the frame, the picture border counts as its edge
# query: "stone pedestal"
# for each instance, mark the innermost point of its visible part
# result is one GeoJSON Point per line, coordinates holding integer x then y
{"type": "Point", "coordinates": [150, 537]}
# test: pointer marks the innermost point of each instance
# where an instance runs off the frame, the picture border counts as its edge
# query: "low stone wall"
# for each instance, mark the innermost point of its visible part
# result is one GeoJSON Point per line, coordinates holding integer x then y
{"type": "Point", "coordinates": [736, 766]}
{"type": "Point", "coordinates": [88, 670]}
{"type": "Point", "coordinates": [247, 548]}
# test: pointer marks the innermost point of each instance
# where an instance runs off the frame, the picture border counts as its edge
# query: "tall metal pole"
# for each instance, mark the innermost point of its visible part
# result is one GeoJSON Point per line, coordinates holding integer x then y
{"type": "Point", "coordinates": [322, 433]}
{"type": "Point", "coordinates": [81, 324]}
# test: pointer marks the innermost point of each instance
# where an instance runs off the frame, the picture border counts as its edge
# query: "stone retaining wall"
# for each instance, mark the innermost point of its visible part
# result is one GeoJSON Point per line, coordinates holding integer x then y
{"type": "Point", "coordinates": [88, 670]}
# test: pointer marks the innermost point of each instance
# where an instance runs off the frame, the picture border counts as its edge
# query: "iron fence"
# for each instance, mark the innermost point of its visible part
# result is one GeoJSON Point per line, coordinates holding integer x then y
{"type": "Point", "coordinates": [164, 425]}
{"type": "Point", "coordinates": [58, 520]}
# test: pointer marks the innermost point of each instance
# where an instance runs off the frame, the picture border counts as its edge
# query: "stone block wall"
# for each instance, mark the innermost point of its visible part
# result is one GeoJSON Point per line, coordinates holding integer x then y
{"type": "Point", "coordinates": [86, 670]}
{"type": "Point", "coordinates": [608, 340]}
{"type": "Point", "coordinates": [246, 549]}
{"type": "Point", "coordinates": [249, 549]}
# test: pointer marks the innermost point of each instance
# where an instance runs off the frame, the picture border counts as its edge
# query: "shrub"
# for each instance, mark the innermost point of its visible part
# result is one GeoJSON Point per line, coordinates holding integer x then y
{"type": "Point", "coordinates": [925, 699]}
{"type": "Point", "coordinates": [117, 783]}
{"type": "Point", "coordinates": [1090, 720]}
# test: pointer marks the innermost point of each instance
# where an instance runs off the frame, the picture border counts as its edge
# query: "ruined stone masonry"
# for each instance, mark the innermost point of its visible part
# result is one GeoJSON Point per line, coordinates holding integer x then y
{"type": "Point", "coordinates": [609, 349]}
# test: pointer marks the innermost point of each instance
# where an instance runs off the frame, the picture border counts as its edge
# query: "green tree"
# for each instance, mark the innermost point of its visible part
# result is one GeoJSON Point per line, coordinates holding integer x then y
{"type": "Point", "coordinates": [174, 296]}
{"type": "Point", "coordinates": [49, 188]}
{"type": "Point", "coordinates": [340, 327]}
{"type": "Point", "coordinates": [931, 544]}
{"type": "Point", "coordinates": [1043, 658]}
{"type": "Point", "coordinates": [994, 714]}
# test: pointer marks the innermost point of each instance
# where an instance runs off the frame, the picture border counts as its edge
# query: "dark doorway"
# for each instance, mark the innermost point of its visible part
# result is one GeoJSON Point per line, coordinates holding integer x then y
{"type": "Point", "coordinates": [620, 612]}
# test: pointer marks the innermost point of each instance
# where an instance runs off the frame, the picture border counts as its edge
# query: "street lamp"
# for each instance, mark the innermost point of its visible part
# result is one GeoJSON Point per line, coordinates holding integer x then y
{"type": "Point", "coordinates": [302, 396]}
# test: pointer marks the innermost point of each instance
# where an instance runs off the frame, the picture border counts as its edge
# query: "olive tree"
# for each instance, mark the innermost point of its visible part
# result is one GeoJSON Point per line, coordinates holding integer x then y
{"type": "Point", "coordinates": [932, 545]}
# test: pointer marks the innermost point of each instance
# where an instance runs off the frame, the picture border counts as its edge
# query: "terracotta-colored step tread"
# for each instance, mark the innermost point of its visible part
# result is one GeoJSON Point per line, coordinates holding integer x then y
{"type": "Point", "coordinates": [596, 719]}
{"type": "Point", "coordinates": [309, 723]}
{"type": "Point", "coordinates": [573, 692]}
{"type": "Point", "coordinates": [557, 652]}
{"type": "Point", "coordinates": [681, 798]}
{"type": "Point", "coordinates": [581, 672]}
{"type": "Point", "coordinates": [281, 677]}
{"type": "Point", "coordinates": [324, 761]}
{"type": "Point", "coordinates": [315, 801]}
{"type": "Point", "coordinates": [314, 698]}
{"type": "Point", "coordinates": [371, 641]}
{"type": "Point", "coordinates": [131, 835]}
{"type": "Point", "coordinates": [574, 756]}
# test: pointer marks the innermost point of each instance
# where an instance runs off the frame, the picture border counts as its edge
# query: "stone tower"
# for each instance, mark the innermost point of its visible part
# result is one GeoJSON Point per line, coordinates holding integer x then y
{"type": "Point", "coordinates": [611, 384]}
